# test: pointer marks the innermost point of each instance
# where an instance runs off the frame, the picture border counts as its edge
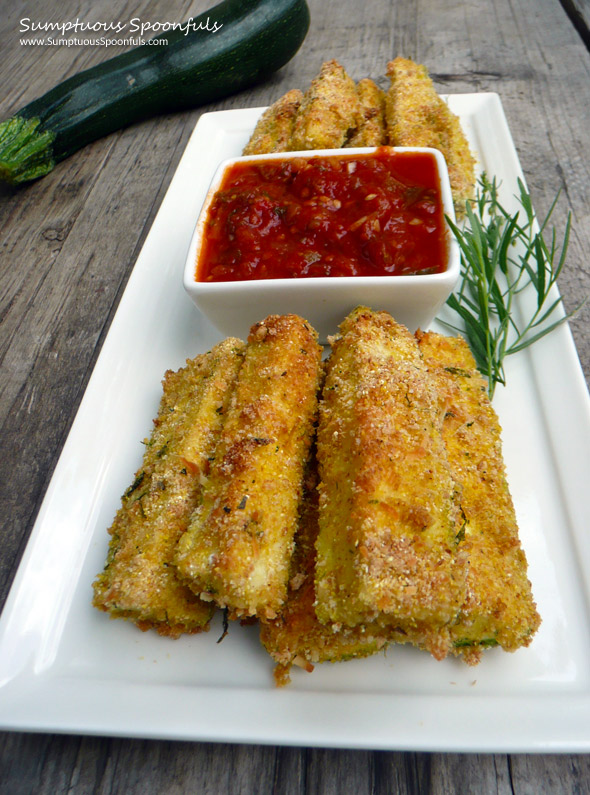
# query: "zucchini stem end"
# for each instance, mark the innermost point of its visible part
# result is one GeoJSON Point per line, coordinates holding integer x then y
{"type": "Point", "coordinates": [26, 153]}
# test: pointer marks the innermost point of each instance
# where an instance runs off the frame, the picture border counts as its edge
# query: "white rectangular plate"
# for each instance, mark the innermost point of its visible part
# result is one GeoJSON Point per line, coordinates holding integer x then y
{"type": "Point", "coordinates": [66, 667]}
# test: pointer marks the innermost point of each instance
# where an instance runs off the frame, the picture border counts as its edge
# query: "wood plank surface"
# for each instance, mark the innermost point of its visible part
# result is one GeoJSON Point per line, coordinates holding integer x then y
{"type": "Point", "coordinates": [69, 243]}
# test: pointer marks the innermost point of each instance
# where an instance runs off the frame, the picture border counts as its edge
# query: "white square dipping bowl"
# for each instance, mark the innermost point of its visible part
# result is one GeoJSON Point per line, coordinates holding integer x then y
{"type": "Point", "coordinates": [324, 301]}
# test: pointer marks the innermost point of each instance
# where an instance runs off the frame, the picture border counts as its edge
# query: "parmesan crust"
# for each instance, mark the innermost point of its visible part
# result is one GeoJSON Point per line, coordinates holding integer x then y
{"type": "Point", "coordinates": [138, 581]}
{"type": "Point", "coordinates": [330, 113]}
{"type": "Point", "coordinates": [387, 549]}
{"type": "Point", "coordinates": [296, 637]}
{"type": "Point", "coordinates": [240, 540]}
{"type": "Point", "coordinates": [417, 116]}
{"type": "Point", "coordinates": [498, 607]}
{"type": "Point", "coordinates": [275, 127]}
{"type": "Point", "coordinates": [371, 130]}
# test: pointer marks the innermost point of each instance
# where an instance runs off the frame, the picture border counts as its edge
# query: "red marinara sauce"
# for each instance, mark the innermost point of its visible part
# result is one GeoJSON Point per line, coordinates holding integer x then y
{"type": "Point", "coordinates": [359, 215]}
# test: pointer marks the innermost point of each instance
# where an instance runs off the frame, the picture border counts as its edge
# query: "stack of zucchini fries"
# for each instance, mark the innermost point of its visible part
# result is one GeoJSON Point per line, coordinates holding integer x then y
{"type": "Point", "coordinates": [345, 505]}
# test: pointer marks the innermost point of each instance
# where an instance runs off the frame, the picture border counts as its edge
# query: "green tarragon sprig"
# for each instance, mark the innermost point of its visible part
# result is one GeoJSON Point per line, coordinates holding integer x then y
{"type": "Point", "coordinates": [501, 255]}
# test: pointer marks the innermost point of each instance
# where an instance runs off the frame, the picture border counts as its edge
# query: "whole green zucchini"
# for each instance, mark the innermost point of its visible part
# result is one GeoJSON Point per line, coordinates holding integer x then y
{"type": "Point", "coordinates": [254, 38]}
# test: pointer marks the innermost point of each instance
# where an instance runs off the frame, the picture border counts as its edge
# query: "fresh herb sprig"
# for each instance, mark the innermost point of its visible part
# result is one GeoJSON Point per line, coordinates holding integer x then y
{"type": "Point", "coordinates": [501, 255]}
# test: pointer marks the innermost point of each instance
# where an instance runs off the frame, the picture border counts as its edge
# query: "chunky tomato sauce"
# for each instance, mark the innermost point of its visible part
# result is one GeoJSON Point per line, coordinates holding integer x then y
{"type": "Point", "coordinates": [326, 216]}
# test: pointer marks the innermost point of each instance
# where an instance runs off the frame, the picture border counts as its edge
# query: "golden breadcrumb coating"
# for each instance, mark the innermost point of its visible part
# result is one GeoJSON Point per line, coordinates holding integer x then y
{"type": "Point", "coordinates": [138, 581]}
{"type": "Point", "coordinates": [387, 546]}
{"type": "Point", "coordinates": [275, 127]}
{"type": "Point", "coordinates": [330, 112]}
{"type": "Point", "coordinates": [296, 637]}
{"type": "Point", "coordinates": [371, 131]}
{"type": "Point", "coordinates": [417, 116]}
{"type": "Point", "coordinates": [239, 544]}
{"type": "Point", "coordinates": [499, 607]}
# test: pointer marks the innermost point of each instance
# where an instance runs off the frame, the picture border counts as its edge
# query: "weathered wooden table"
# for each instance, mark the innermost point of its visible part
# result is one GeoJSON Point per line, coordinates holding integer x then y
{"type": "Point", "coordinates": [69, 243]}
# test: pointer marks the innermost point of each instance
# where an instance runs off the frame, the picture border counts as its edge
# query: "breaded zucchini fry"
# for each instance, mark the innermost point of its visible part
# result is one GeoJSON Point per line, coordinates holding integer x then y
{"type": "Point", "coordinates": [240, 540]}
{"type": "Point", "coordinates": [417, 116]}
{"type": "Point", "coordinates": [371, 131]}
{"type": "Point", "coordinates": [499, 607]}
{"type": "Point", "coordinates": [275, 127]}
{"type": "Point", "coordinates": [387, 546]}
{"type": "Point", "coordinates": [138, 581]}
{"type": "Point", "coordinates": [330, 112]}
{"type": "Point", "coordinates": [296, 637]}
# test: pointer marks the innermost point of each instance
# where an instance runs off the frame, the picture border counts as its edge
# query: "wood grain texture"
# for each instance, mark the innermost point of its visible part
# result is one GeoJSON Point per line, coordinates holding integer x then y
{"type": "Point", "coordinates": [68, 245]}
